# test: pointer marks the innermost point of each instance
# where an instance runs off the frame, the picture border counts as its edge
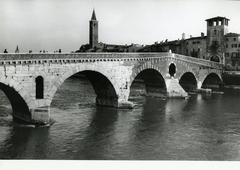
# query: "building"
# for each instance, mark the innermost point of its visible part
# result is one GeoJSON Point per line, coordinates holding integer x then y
{"type": "Point", "coordinates": [232, 51]}
{"type": "Point", "coordinates": [217, 28]}
{"type": "Point", "coordinates": [93, 31]}
{"type": "Point", "coordinates": [95, 46]}
{"type": "Point", "coordinates": [217, 45]}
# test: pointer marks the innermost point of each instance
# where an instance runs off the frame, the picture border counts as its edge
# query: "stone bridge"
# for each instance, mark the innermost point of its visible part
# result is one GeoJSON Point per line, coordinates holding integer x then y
{"type": "Point", "coordinates": [30, 81]}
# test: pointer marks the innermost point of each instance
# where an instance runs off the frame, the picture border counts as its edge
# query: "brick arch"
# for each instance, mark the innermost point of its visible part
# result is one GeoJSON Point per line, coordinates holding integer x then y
{"type": "Point", "coordinates": [145, 66]}
{"type": "Point", "coordinates": [188, 83]}
{"type": "Point", "coordinates": [183, 67]}
{"type": "Point", "coordinates": [60, 80]}
{"type": "Point", "coordinates": [216, 73]}
{"type": "Point", "coordinates": [17, 98]}
{"type": "Point", "coordinates": [203, 78]}
{"type": "Point", "coordinates": [188, 71]}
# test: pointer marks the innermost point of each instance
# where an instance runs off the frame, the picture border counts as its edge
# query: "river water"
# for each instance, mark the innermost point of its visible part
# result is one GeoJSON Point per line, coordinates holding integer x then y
{"type": "Point", "coordinates": [203, 127]}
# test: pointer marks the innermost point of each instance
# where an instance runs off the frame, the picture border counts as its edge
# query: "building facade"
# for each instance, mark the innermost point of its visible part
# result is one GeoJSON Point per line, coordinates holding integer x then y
{"type": "Point", "coordinates": [232, 51]}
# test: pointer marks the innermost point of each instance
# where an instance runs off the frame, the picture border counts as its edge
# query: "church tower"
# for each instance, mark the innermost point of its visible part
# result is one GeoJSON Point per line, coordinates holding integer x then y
{"type": "Point", "coordinates": [93, 31]}
{"type": "Point", "coordinates": [217, 27]}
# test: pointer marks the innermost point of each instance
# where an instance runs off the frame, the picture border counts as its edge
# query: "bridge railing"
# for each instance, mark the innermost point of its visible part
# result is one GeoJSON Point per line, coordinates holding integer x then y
{"type": "Point", "coordinates": [200, 61]}
{"type": "Point", "coordinates": [46, 56]}
{"type": "Point", "coordinates": [29, 56]}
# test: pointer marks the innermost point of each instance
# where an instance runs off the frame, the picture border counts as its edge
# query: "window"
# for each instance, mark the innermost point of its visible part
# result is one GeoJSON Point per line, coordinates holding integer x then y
{"type": "Point", "coordinates": [226, 39]}
{"type": "Point", "coordinates": [234, 54]}
{"type": "Point", "coordinates": [215, 32]}
{"type": "Point", "coordinates": [226, 45]}
{"type": "Point", "coordinates": [234, 39]}
{"type": "Point", "coordinates": [39, 87]}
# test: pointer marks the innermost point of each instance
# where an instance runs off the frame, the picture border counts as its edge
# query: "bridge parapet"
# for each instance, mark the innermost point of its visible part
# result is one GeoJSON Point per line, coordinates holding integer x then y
{"type": "Point", "coordinates": [199, 61]}
{"type": "Point", "coordinates": [36, 58]}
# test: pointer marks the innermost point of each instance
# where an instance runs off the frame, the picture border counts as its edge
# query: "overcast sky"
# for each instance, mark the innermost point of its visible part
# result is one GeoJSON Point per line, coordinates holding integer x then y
{"type": "Point", "coordinates": [54, 24]}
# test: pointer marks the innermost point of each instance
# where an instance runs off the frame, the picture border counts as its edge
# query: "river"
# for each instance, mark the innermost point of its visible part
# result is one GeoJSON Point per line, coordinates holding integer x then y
{"type": "Point", "coordinates": [203, 127]}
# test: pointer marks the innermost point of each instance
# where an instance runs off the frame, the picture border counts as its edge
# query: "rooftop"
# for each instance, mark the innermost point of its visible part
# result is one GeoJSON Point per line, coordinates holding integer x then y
{"type": "Point", "coordinates": [232, 34]}
{"type": "Point", "coordinates": [217, 18]}
{"type": "Point", "coordinates": [193, 38]}
{"type": "Point", "coordinates": [94, 16]}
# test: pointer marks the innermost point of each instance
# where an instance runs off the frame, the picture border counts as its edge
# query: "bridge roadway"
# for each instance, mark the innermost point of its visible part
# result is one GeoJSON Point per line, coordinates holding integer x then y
{"type": "Point", "coordinates": [31, 80]}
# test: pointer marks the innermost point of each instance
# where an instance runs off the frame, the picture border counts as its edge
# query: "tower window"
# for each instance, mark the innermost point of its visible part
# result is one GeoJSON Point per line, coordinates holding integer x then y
{"type": "Point", "coordinates": [215, 32]}
{"type": "Point", "coordinates": [39, 87]}
{"type": "Point", "coordinates": [234, 39]}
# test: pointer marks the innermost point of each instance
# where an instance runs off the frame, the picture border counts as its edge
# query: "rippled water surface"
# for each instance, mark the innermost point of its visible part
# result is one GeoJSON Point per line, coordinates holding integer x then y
{"type": "Point", "coordinates": [204, 127]}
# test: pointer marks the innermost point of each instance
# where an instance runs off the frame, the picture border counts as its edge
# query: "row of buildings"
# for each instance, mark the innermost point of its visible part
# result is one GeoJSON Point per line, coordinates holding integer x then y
{"type": "Point", "coordinates": [217, 45]}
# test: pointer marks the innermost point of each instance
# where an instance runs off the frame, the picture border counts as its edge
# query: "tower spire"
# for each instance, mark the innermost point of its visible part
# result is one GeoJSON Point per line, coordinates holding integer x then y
{"type": "Point", "coordinates": [94, 15]}
{"type": "Point", "coordinates": [93, 31]}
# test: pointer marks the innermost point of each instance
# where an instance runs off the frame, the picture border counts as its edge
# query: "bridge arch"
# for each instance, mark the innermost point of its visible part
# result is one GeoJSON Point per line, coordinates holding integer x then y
{"type": "Point", "coordinates": [102, 85]}
{"type": "Point", "coordinates": [188, 81]}
{"type": "Point", "coordinates": [20, 109]}
{"type": "Point", "coordinates": [212, 80]}
{"type": "Point", "coordinates": [151, 79]}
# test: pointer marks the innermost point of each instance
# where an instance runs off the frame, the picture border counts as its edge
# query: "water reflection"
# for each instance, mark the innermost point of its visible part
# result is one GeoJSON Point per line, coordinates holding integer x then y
{"type": "Point", "coordinates": [204, 127]}
{"type": "Point", "coordinates": [23, 142]}
{"type": "Point", "coordinates": [99, 134]}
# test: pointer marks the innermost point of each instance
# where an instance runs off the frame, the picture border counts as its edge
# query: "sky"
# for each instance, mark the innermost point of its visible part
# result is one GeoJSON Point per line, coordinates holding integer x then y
{"type": "Point", "coordinates": [63, 24]}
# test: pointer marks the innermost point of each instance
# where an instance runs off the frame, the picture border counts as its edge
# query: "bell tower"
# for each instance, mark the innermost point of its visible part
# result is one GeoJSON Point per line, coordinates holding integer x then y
{"type": "Point", "coordinates": [217, 27]}
{"type": "Point", "coordinates": [93, 31]}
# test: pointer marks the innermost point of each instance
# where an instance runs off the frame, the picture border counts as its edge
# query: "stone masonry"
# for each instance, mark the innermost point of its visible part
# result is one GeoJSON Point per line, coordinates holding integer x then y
{"type": "Point", "coordinates": [111, 75]}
